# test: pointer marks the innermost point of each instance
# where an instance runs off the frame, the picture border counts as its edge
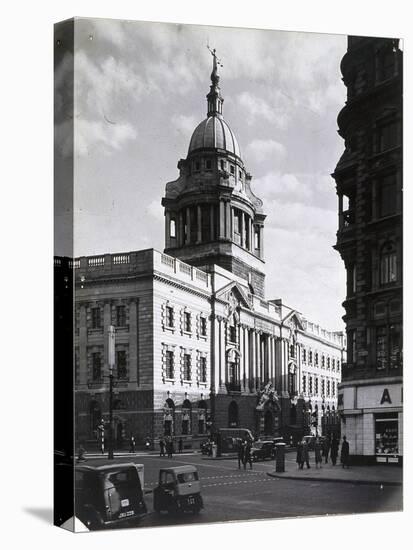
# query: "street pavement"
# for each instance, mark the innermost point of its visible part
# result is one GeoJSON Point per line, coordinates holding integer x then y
{"type": "Point", "coordinates": [231, 494]}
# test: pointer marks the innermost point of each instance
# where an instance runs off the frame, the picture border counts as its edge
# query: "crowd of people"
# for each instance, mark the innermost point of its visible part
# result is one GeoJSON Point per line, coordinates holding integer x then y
{"type": "Point", "coordinates": [324, 448]}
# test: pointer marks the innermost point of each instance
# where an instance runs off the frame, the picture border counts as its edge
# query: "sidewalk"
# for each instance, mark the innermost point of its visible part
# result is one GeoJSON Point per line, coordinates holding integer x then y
{"type": "Point", "coordinates": [126, 454]}
{"type": "Point", "coordinates": [363, 475]}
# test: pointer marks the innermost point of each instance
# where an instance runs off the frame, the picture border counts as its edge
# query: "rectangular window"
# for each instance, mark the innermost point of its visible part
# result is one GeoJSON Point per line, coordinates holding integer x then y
{"type": "Point", "coordinates": [232, 169]}
{"type": "Point", "coordinates": [388, 196]}
{"type": "Point", "coordinates": [203, 326]}
{"type": "Point", "coordinates": [96, 366]}
{"type": "Point", "coordinates": [328, 363]}
{"type": "Point", "coordinates": [351, 347]}
{"type": "Point", "coordinates": [304, 355]}
{"type": "Point", "coordinates": [208, 165]}
{"type": "Point", "coordinates": [169, 316]}
{"type": "Point", "coordinates": [310, 385]}
{"type": "Point", "coordinates": [197, 166]}
{"type": "Point", "coordinates": [187, 321]}
{"type": "Point", "coordinates": [328, 388]}
{"type": "Point", "coordinates": [395, 346]}
{"type": "Point", "coordinates": [169, 364]}
{"type": "Point", "coordinates": [316, 386]}
{"type": "Point", "coordinates": [202, 369]}
{"type": "Point", "coordinates": [381, 348]}
{"type": "Point", "coordinates": [232, 334]}
{"type": "Point", "coordinates": [387, 434]}
{"type": "Point", "coordinates": [388, 267]}
{"type": "Point", "coordinates": [304, 383]}
{"type": "Point", "coordinates": [222, 164]}
{"type": "Point", "coordinates": [187, 366]}
{"type": "Point", "coordinates": [120, 316]}
{"type": "Point", "coordinates": [310, 357]}
{"type": "Point", "coordinates": [121, 364]}
{"type": "Point", "coordinates": [316, 359]}
{"type": "Point", "coordinates": [323, 361]}
{"type": "Point", "coordinates": [292, 351]}
{"type": "Point", "coordinates": [96, 317]}
{"type": "Point", "coordinates": [388, 136]}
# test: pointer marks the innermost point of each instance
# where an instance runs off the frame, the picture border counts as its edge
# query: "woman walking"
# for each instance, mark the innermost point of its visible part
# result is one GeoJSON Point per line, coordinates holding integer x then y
{"type": "Point", "coordinates": [334, 450]}
{"type": "Point", "coordinates": [299, 458]}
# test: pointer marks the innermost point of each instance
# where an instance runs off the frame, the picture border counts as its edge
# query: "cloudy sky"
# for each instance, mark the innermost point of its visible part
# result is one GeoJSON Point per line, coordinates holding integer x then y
{"type": "Point", "coordinates": [139, 93]}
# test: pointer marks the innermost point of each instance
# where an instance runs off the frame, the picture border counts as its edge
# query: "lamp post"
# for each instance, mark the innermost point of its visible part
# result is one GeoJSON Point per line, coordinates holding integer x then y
{"type": "Point", "coordinates": [111, 363]}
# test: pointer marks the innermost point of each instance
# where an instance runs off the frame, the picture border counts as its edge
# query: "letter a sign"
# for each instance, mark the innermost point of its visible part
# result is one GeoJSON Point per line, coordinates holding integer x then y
{"type": "Point", "coordinates": [385, 398]}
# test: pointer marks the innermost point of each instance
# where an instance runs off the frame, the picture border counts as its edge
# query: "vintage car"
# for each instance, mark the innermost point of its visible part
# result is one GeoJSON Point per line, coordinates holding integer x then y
{"type": "Point", "coordinates": [178, 490]}
{"type": "Point", "coordinates": [108, 496]}
{"type": "Point", "coordinates": [262, 450]}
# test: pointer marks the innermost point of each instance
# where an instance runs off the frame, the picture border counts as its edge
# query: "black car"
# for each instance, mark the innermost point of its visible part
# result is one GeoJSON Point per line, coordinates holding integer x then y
{"type": "Point", "coordinates": [108, 496]}
{"type": "Point", "coordinates": [262, 450]}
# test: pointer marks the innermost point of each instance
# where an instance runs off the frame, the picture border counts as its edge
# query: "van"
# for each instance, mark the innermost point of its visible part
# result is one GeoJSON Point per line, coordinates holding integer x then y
{"type": "Point", "coordinates": [108, 496]}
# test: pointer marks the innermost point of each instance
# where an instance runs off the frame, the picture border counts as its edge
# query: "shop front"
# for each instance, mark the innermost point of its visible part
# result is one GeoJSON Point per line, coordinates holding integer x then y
{"type": "Point", "coordinates": [387, 438]}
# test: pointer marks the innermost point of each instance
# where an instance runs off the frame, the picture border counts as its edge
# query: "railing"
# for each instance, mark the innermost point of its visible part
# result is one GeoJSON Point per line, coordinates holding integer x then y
{"type": "Point", "coordinates": [96, 261]}
{"type": "Point", "coordinates": [118, 259]}
{"type": "Point", "coordinates": [167, 260]}
{"type": "Point", "coordinates": [185, 268]}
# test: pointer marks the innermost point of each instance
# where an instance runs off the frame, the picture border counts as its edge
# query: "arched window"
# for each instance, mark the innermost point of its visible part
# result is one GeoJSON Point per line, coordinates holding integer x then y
{"type": "Point", "coordinates": [388, 264]}
{"type": "Point", "coordinates": [172, 229]}
{"type": "Point", "coordinates": [233, 415]}
{"type": "Point", "coordinates": [186, 417]}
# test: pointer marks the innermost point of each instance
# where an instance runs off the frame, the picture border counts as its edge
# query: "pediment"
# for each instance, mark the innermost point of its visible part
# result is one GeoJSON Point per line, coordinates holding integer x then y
{"type": "Point", "coordinates": [235, 295]}
{"type": "Point", "coordinates": [294, 321]}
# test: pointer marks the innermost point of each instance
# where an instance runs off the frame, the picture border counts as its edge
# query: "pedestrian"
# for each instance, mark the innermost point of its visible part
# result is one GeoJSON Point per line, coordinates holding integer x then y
{"type": "Point", "coordinates": [326, 448]}
{"type": "Point", "coordinates": [345, 452]}
{"type": "Point", "coordinates": [132, 444]}
{"type": "Point", "coordinates": [162, 447]}
{"type": "Point", "coordinates": [248, 454]}
{"type": "Point", "coordinates": [317, 452]}
{"type": "Point", "coordinates": [240, 453]}
{"type": "Point", "coordinates": [147, 443]}
{"type": "Point", "coordinates": [170, 448]}
{"type": "Point", "coordinates": [299, 458]}
{"type": "Point", "coordinates": [306, 455]}
{"type": "Point", "coordinates": [180, 445]}
{"type": "Point", "coordinates": [334, 450]}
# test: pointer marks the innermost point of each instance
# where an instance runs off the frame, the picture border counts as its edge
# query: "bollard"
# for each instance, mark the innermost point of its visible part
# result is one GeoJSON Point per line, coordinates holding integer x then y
{"type": "Point", "coordinates": [214, 450]}
{"type": "Point", "coordinates": [280, 457]}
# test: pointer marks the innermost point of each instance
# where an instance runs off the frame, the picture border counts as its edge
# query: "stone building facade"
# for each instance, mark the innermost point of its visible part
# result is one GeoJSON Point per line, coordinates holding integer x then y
{"type": "Point", "coordinates": [197, 345]}
{"type": "Point", "coordinates": [369, 240]}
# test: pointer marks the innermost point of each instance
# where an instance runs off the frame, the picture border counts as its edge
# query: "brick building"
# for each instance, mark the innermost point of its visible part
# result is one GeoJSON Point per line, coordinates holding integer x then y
{"type": "Point", "coordinates": [369, 240]}
{"type": "Point", "coordinates": [198, 346]}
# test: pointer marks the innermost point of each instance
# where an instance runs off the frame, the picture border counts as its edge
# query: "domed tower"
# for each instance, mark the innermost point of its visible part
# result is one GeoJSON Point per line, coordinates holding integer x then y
{"type": "Point", "coordinates": [211, 214]}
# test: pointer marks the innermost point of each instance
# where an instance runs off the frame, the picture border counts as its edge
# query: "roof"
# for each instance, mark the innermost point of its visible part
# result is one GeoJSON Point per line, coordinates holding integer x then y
{"type": "Point", "coordinates": [107, 467]}
{"type": "Point", "coordinates": [179, 469]}
{"type": "Point", "coordinates": [214, 132]}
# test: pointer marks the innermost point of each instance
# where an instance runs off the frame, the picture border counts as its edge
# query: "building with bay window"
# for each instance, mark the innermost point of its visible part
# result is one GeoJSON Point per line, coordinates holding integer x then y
{"type": "Point", "coordinates": [197, 344]}
{"type": "Point", "coordinates": [369, 239]}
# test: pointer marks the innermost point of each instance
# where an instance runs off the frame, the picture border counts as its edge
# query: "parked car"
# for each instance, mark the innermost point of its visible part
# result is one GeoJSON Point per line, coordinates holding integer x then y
{"type": "Point", "coordinates": [262, 450]}
{"type": "Point", "coordinates": [178, 490]}
{"type": "Point", "coordinates": [109, 495]}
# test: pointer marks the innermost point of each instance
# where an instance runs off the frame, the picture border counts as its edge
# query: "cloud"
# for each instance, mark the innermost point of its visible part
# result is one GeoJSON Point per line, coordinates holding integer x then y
{"type": "Point", "coordinates": [255, 108]}
{"type": "Point", "coordinates": [261, 149]}
{"type": "Point", "coordinates": [108, 136]}
{"type": "Point", "coordinates": [156, 210]}
{"type": "Point", "coordinates": [184, 125]}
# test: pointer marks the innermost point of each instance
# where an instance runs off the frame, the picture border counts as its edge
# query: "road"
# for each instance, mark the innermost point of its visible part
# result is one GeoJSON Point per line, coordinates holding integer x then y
{"type": "Point", "coordinates": [231, 494]}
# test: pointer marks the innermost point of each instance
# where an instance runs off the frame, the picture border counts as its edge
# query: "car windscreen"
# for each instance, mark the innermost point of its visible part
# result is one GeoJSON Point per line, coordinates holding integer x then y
{"type": "Point", "coordinates": [187, 477]}
{"type": "Point", "coordinates": [121, 478]}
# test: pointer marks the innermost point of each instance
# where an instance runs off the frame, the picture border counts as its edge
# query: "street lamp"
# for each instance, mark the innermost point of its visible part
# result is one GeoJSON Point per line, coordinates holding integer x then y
{"type": "Point", "coordinates": [111, 363]}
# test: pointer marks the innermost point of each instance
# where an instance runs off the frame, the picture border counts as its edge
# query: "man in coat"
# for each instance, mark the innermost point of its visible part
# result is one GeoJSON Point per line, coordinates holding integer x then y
{"type": "Point", "coordinates": [345, 452]}
{"type": "Point", "coordinates": [326, 448]}
{"type": "Point", "coordinates": [299, 458]}
{"type": "Point", "coordinates": [334, 450]}
{"type": "Point", "coordinates": [240, 453]}
{"type": "Point", "coordinates": [306, 454]}
{"type": "Point", "coordinates": [247, 454]}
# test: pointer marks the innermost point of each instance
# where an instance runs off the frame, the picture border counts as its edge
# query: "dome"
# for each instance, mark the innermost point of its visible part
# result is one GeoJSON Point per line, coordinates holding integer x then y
{"type": "Point", "coordinates": [214, 132]}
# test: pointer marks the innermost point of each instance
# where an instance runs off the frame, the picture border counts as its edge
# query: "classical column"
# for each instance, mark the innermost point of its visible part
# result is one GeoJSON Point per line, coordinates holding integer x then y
{"type": "Point", "coordinates": [188, 225]}
{"type": "Point", "coordinates": [167, 229]}
{"type": "Point", "coordinates": [223, 362]}
{"type": "Point", "coordinates": [245, 373]}
{"type": "Point", "coordinates": [215, 355]}
{"type": "Point", "coordinates": [221, 223]}
{"type": "Point", "coordinates": [274, 361]}
{"type": "Point", "coordinates": [83, 374]}
{"type": "Point", "coordinates": [261, 241]}
{"type": "Point", "coordinates": [212, 222]}
{"type": "Point", "coordinates": [242, 228]}
{"type": "Point", "coordinates": [107, 321]}
{"type": "Point", "coordinates": [228, 231]}
{"type": "Point", "coordinates": [258, 360]}
{"type": "Point", "coordinates": [199, 222]}
{"type": "Point", "coordinates": [181, 230]}
{"type": "Point", "coordinates": [133, 342]}
{"type": "Point", "coordinates": [252, 361]}
{"type": "Point", "coordinates": [241, 356]}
